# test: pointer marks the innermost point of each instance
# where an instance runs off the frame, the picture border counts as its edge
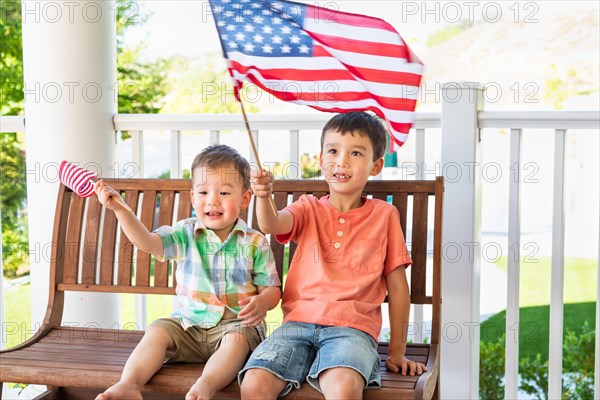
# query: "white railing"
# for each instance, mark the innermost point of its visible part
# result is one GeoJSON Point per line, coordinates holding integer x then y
{"type": "Point", "coordinates": [515, 121]}
{"type": "Point", "coordinates": [560, 122]}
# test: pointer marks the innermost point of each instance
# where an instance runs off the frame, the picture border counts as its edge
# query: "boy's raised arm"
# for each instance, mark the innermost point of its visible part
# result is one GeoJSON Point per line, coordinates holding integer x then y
{"type": "Point", "coordinates": [262, 187]}
{"type": "Point", "coordinates": [399, 309]}
{"type": "Point", "coordinates": [139, 235]}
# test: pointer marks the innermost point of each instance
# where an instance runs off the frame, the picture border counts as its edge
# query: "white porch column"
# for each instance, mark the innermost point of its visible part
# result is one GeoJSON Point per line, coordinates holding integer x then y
{"type": "Point", "coordinates": [69, 61]}
{"type": "Point", "coordinates": [461, 167]}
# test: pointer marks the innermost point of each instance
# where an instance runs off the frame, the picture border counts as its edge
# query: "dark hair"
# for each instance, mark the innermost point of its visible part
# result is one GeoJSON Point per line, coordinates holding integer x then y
{"type": "Point", "coordinates": [364, 124]}
{"type": "Point", "coordinates": [221, 155]}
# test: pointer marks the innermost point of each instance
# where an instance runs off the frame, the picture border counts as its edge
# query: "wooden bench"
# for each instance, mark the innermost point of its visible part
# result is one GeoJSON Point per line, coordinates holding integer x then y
{"type": "Point", "coordinates": [89, 256]}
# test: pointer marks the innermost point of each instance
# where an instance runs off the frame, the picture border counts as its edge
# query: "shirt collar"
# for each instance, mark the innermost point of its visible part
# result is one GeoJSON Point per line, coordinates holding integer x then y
{"type": "Point", "coordinates": [240, 226]}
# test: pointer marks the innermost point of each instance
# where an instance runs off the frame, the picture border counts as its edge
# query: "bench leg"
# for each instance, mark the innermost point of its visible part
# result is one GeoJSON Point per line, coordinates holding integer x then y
{"type": "Point", "coordinates": [436, 392]}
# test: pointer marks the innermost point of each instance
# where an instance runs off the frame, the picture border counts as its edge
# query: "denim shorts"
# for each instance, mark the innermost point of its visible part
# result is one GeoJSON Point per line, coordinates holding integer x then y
{"type": "Point", "coordinates": [298, 351]}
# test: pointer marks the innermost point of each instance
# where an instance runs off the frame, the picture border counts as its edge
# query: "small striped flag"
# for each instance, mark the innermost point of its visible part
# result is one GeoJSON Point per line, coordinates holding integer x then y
{"type": "Point", "coordinates": [77, 179]}
{"type": "Point", "coordinates": [325, 59]}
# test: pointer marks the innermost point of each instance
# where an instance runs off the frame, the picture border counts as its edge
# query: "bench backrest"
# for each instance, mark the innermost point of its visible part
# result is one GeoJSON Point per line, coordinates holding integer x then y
{"type": "Point", "coordinates": [90, 252]}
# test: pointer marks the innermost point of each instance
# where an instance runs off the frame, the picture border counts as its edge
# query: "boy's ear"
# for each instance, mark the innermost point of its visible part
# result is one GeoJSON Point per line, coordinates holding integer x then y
{"type": "Point", "coordinates": [192, 196]}
{"type": "Point", "coordinates": [377, 166]}
{"type": "Point", "coordinates": [246, 199]}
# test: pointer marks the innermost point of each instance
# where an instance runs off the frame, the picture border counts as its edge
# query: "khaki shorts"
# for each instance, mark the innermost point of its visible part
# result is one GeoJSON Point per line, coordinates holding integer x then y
{"type": "Point", "coordinates": [197, 344]}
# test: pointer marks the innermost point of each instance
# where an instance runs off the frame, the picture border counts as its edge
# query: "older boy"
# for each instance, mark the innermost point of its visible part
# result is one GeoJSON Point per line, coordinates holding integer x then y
{"type": "Point", "coordinates": [351, 250]}
{"type": "Point", "coordinates": [226, 279]}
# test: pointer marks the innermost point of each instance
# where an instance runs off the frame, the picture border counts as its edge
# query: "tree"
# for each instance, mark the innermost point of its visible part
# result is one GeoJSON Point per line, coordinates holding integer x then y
{"type": "Point", "coordinates": [141, 90]}
{"type": "Point", "coordinates": [141, 84]}
{"type": "Point", "coordinates": [11, 58]}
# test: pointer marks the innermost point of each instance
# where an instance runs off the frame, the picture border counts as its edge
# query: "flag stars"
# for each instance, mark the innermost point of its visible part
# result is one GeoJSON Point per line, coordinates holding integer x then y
{"type": "Point", "coordinates": [286, 49]}
{"type": "Point", "coordinates": [267, 49]}
{"type": "Point", "coordinates": [240, 36]}
{"type": "Point", "coordinates": [276, 21]}
{"type": "Point", "coordinates": [230, 28]}
{"type": "Point", "coordinates": [249, 47]}
{"type": "Point", "coordinates": [295, 39]}
{"type": "Point", "coordinates": [286, 30]}
{"type": "Point", "coordinates": [267, 30]}
{"type": "Point", "coordinates": [276, 39]}
{"type": "Point", "coordinates": [258, 38]}
{"type": "Point", "coordinates": [304, 49]}
{"type": "Point", "coordinates": [248, 28]}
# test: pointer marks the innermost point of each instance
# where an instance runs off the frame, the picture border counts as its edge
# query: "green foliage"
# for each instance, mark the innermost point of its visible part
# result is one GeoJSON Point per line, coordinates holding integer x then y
{"type": "Point", "coordinates": [141, 90]}
{"type": "Point", "coordinates": [13, 192]}
{"type": "Point", "coordinates": [141, 85]}
{"type": "Point", "coordinates": [309, 165]}
{"type": "Point", "coordinates": [441, 35]}
{"type": "Point", "coordinates": [534, 376]}
{"type": "Point", "coordinates": [578, 353]}
{"type": "Point", "coordinates": [11, 58]}
{"type": "Point", "coordinates": [578, 357]}
{"type": "Point", "coordinates": [556, 89]}
{"type": "Point", "coordinates": [534, 326]}
{"type": "Point", "coordinates": [491, 369]}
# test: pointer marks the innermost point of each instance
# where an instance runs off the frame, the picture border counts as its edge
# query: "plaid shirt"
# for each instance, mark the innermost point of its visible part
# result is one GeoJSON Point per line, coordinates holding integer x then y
{"type": "Point", "coordinates": [211, 274]}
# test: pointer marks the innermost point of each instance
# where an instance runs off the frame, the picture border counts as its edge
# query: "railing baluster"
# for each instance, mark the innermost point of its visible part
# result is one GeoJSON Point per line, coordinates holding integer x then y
{"type": "Point", "coordinates": [420, 161]}
{"type": "Point", "coordinates": [214, 137]}
{"type": "Point", "coordinates": [138, 159]}
{"type": "Point", "coordinates": [2, 324]}
{"type": "Point", "coordinates": [557, 280]}
{"type": "Point", "coordinates": [294, 154]}
{"type": "Point", "coordinates": [511, 366]}
{"type": "Point", "coordinates": [175, 154]}
{"type": "Point", "coordinates": [597, 359]}
{"type": "Point", "coordinates": [420, 153]}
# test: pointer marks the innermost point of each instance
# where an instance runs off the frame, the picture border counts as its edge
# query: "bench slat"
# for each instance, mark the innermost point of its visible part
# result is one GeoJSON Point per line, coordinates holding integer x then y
{"type": "Point", "coordinates": [418, 245]}
{"type": "Point", "coordinates": [90, 247]}
{"type": "Point", "coordinates": [72, 244]}
{"type": "Point", "coordinates": [165, 217]}
{"type": "Point", "coordinates": [400, 201]}
{"type": "Point", "coordinates": [125, 247]}
{"type": "Point", "coordinates": [108, 249]}
{"type": "Point", "coordinates": [142, 266]}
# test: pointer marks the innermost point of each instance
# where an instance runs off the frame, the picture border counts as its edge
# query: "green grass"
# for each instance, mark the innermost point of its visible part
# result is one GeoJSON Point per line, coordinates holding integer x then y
{"type": "Point", "coordinates": [17, 315]}
{"type": "Point", "coordinates": [534, 326]}
{"type": "Point", "coordinates": [534, 296]}
{"type": "Point", "coordinates": [580, 278]}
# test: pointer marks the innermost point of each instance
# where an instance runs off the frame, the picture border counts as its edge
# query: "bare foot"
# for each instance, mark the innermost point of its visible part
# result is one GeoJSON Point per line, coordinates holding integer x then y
{"type": "Point", "coordinates": [121, 391]}
{"type": "Point", "coordinates": [201, 390]}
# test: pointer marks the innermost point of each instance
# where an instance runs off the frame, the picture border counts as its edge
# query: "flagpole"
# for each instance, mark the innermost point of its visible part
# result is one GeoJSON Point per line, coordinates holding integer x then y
{"type": "Point", "coordinates": [255, 152]}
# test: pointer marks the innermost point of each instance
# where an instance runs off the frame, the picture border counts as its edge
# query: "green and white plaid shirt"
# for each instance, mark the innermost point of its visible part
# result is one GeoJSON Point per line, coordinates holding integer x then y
{"type": "Point", "coordinates": [211, 274]}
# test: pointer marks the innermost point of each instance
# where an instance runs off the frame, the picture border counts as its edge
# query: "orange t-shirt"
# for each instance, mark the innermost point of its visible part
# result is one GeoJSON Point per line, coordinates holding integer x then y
{"type": "Point", "coordinates": [337, 275]}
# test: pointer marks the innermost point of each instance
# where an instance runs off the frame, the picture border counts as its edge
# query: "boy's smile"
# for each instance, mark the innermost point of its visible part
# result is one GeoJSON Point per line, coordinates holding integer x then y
{"type": "Point", "coordinates": [217, 197]}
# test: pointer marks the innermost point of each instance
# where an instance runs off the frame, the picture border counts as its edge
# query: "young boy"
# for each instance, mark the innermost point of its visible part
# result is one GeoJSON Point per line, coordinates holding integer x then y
{"type": "Point", "coordinates": [226, 279]}
{"type": "Point", "coordinates": [351, 250]}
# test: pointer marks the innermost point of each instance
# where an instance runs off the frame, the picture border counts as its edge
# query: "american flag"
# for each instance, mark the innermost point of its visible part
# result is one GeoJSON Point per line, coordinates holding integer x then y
{"type": "Point", "coordinates": [326, 59]}
{"type": "Point", "coordinates": [77, 179]}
